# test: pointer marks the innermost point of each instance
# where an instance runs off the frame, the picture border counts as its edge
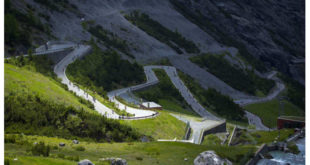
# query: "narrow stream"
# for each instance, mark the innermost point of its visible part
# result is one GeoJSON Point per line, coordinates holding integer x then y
{"type": "Point", "coordinates": [280, 157]}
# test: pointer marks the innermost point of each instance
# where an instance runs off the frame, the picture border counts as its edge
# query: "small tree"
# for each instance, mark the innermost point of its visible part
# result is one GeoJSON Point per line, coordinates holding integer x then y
{"type": "Point", "coordinates": [41, 149]}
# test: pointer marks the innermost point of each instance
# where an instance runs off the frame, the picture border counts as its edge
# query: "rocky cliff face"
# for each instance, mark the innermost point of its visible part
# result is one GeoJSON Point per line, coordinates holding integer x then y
{"type": "Point", "coordinates": [272, 31]}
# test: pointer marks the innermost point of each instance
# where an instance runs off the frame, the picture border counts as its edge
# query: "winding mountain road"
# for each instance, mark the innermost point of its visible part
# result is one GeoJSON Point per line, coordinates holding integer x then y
{"type": "Point", "coordinates": [272, 95]}
{"type": "Point", "coordinates": [80, 50]}
{"type": "Point", "coordinates": [177, 82]}
{"type": "Point", "coordinates": [60, 70]}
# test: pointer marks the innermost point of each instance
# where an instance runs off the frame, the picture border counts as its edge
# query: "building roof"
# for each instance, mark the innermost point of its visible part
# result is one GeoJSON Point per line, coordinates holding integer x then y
{"type": "Point", "coordinates": [151, 105]}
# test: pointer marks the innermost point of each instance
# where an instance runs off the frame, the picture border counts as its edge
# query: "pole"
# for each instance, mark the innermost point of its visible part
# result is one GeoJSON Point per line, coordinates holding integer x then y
{"type": "Point", "coordinates": [279, 99]}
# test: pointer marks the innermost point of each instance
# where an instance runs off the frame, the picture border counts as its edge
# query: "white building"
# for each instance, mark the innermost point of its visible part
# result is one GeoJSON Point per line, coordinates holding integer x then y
{"type": "Point", "coordinates": [150, 105]}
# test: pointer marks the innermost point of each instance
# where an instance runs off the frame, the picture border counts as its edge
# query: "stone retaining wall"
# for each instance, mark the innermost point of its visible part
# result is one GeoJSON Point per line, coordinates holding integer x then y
{"type": "Point", "coordinates": [217, 129]}
{"type": "Point", "coordinates": [58, 56]}
{"type": "Point", "coordinates": [261, 151]}
{"type": "Point", "coordinates": [188, 131]}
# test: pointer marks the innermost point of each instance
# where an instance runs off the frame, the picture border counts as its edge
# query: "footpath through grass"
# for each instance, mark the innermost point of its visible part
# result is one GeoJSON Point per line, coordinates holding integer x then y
{"type": "Point", "coordinates": [163, 153]}
{"type": "Point", "coordinates": [269, 111]}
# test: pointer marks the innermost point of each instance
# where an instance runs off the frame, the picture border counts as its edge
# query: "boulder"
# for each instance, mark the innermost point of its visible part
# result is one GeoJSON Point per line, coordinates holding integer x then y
{"type": "Point", "coordinates": [209, 157]}
{"type": "Point", "coordinates": [119, 161]}
{"type": "Point", "coordinates": [114, 161]}
{"type": "Point", "coordinates": [75, 141]}
{"type": "Point", "coordinates": [62, 144]}
{"type": "Point", "coordinates": [85, 162]}
{"type": "Point", "coordinates": [145, 139]}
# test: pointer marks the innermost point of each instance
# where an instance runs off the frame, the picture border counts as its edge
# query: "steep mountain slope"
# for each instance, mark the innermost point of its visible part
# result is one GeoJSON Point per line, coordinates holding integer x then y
{"type": "Point", "coordinates": [272, 31]}
{"type": "Point", "coordinates": [255, 35]}
{"type": "Point", "coordinates": [109, 15]}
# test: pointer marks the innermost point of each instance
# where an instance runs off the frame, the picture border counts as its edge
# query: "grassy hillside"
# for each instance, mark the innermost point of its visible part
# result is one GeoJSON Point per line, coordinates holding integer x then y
{"type": "Point", "coordinates": [20, 80]}
{"type": "Point", "coordinates": [35, 104]}
{"type": "Point", "coordinates": [34, 115]}
{"type": "Point", "coordinates": [259, 137]}
{"type": "Point", "coordinates": [269, 111]}
{"type": "Point", "coordinates": [36, 160]}
{"type": "Point", "coordinates": [163, 153]}
{"type": "Point", "coordinates": [164, 126]}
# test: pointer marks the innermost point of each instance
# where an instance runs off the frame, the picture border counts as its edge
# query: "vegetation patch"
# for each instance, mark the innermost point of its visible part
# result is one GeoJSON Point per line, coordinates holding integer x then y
{"type": "Point", "coordinates": [108, 38]}
{"type": "Point", "coordinates": [259, 137]}
{"type": "Point", "coordinates": [31, 114]}
{"type": "Point", "coordinates": [164, 126]}
{"type": "Point", "coordinates": [242, 80]}
{"type": "Point", "coordinates": [214, 101]}
{"type": "Point", "coordinates": [35, 160]}
{"type": "Point", "coordinates": [173, 39]}
{"type": "Point", "coordinates": [41, 64]}
{"type": "Point", "coordinates": [269, 111]}
{"type": "Point", "coordinates": [295, 91]}
{"type": "Point", "coordinates": [211, 139]}
{"type": "Point", "coordinates": [166, 94]}
{"type": "Point", "coordinates": [103, 71]}
{"type": "Point", "coordinates": [41, 149]}
{"type": "Point", "coordinates": [26, 80]}
{"type": "Point", "coordinates": [19, 27]}
{"type": "Point", "coordinates": [293, 148]}
{"type": "Point", "coordinates": [36, 104]}
{"type": "Point", "coordinates": [164, 153]}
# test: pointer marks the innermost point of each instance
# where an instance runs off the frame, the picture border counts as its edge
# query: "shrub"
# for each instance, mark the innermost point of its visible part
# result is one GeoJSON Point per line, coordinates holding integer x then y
{"type": "Point", "coordinates": [74, 158]}
{"type": "Point", "coordinates": [61, 155]}
{"type": "Point", "coordinates": [139, 158]}
{"type": "Point", "coordinates": [80, 148]}
{"type": "Point", "coordinates": [293, 148]}
{"type": "Point", "coordinates": [10, 139]}
{"type": "Point", "coordinates": [6, 161]}
{"type": "Point", "coordinates": [55, 147]}
{"type": "Point", "coordinates": [41, 149]}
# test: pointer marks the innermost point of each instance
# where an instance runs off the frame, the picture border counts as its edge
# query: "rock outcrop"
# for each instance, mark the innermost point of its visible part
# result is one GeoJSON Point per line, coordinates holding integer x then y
{"type": "Point", "coordinates": [209, 157]}
{"type": "Point", "coordinates": [85, 162]}
{"type": "Point", "coordinates": [114, 161]}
